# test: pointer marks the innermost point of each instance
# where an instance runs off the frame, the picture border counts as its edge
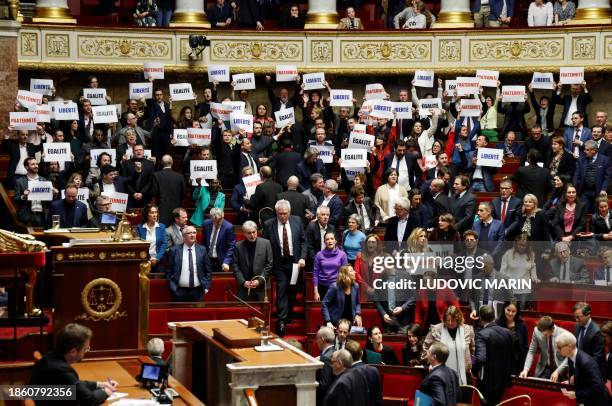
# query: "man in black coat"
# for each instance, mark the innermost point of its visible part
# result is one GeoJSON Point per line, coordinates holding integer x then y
{"type": "Point", "coordinates": [369, 372]}
{"type": "Point", "coordinates": [283, 101]}
{"type": "Point", "coordinates": [582, 97]}
{"type": "Point", "coordinates": [533, 179]}
{"type": "Point", "coordinates": [540, 143]}
{"type": "Point", "coordinates": [544, 110]}
{"type": "Point", "coordinates": [169, 190]}
{"type": "Point", "coordinates": [495, 355]}
{"type": "Point", "coordinates": [140, 183]}
{"type": "Point", "coordinates": [285, 162]}
{"type": "Point", "coordinates": [299, 202]}
{"type": "Point", "coordinates": [363, 206]}
{"type": "Point", "coordinates": [506, 207]}
{"type": "Point", "coordinates": [438, 200]}
{"type": "Point", "coordinates": [325, 375]}
{"type": "Point", "coordinates": [315, 232]}
{"type": "Point", "coordinates": [588, 336]}
{"type": "Point", "coordinates": [463, 204]}
{"type": "Point", "coordinates": [265, 195]}
{"type": "Point", "coordinates": [349, 387]}
{"type": "Point", "coordinates": [71, 345]}
{"type": "Point", "coordinates": [160, 123]}
{"type": "Point", "coordinates": [18, 151]}
{"type": "Point", "coordinates": [442, 383]}
{"type": "Point", "coordinates": [401, 220]}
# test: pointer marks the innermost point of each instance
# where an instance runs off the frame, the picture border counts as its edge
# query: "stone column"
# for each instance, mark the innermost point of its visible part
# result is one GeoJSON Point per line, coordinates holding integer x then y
{"type": "Point", "coordinates": [321, 15]}
{"type": "Point", "coordinates": [9, 31]}
{"type": "Point", "coordinates": [592, 12]}
{"type": "Point", "coordinates": [306, 393]}
{"type": "Point", "coordinates": [454, 14]}
{"type": "Point", "coordinates": [53, 11]}
{"type": "Point", "coordinates": [189, 13]}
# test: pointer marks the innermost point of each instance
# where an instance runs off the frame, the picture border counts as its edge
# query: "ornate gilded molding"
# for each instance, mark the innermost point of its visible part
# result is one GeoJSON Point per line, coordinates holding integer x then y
{"type": "Point", "coordinates": [449, 50]}
{"type": "Point", "coordinates": [583, 47]}
{"type": "Point", "coordinates": [57, 45]}
{"type": "Point", "coordinates": [97, 47]}
{"type": "Point", "coordinates": [29, 43]}
{"type": "Point", "coordinates": [498, 50]}
{"type": "Point", "coordinates": [81, 255]}
{"type": "Point", "coordinates": [321, 51]}
{"type": "Point", "coordinates": [101, 299]}
{"type": "Point", "coordinates": [608, 47]}
{"type": "Point", "coordinates": [385, 51]}
{"type": "Point", "coordinates": [123, 255]}
{"type": "Point", "coordinates": [184, 51]}
{"type": "Point", "coordinates": [268, 50]}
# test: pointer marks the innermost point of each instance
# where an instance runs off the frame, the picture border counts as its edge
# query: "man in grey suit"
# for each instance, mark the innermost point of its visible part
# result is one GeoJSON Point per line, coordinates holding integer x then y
{"type": "Point", "coordinates": [252, 264]}
{"type": "Point", "coordinates": [142, 136]}
{"type": "Point", "coordinates": [543, 340]}
{"type": "Point", "coordinates": [565, 268]}
{"type": "Point", "coordinates": [174, 232]}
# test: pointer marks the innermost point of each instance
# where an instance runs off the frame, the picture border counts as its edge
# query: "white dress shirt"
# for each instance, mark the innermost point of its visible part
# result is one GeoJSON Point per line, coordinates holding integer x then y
{"type": "Point", "coordinates": [280, 236]}
{"type": "Point", "coordinates": [401, 228]}
{"type": "Point", "coordinates": [184, 277]}
{"type": "Point", "coordinates": [108, 187]}
{"type": "Point", "coordinates": [23, 154]}
{"type": "Point", "coordinates": [573, 107]}
{"type": "Point", "coordinates": [403, 178]}
{"type": "Point", "coordinates": [151, 237]}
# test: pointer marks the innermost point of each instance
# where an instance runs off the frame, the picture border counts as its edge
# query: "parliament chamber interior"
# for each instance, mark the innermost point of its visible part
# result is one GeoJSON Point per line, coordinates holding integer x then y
{"type": "Point", "coordinates": [258, 202]}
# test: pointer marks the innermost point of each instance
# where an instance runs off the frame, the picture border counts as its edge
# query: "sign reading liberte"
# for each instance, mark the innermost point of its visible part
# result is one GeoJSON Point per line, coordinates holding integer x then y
{"type": "Point", "coordinates": [42, 86]}
{"type": "Point", "coordinates": [543, 80]}
{"type": "Point", "coordinates": [314, 81]}
{"type": "Point", "coordinates": [219, 73]}
{"type": "Point", "coordinates": [341, 98]}
{"type": "Point", "coordinates": [40, 190]}
{"type": "Point", "coordinates": [239, 121]}
{"type": "Point", "coordinates": [66, 111]}
{"type": "Point", "coordinates": [141, 89]}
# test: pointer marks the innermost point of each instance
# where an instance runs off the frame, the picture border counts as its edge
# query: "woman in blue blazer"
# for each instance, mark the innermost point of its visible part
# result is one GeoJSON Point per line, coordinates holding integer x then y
{"type": "Point", "coordinates": [206, 198]}
{"type": "Point", "coordinates": [342, 299]}
{"type": "Point", "coordinates": [154, 232]}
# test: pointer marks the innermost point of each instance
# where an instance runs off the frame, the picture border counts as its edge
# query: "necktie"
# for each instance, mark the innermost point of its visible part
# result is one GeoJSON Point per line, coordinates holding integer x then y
{"type": "Point", "coordinates": [401, 132]}
{"type": "Point", "coordinates": [580, 337]}
{"type": "Point", "coordinates": [360, 211]}
{"type": "Point", "coordinates": [213, 243]}
{"type": "Point", "coordinates": [577, 135]}
{"type": "Point", "coordinates": [551, 354]}
{"type": "Point", "coordinates": [563, 271]}
{"type": "Point", "coordinates": [191, 270]}
{"type": "Point", "coordinates": [570, 363]}
{"type": "Point", "coordinates": [503, 210]}
{"type": "Point", "coordinates": [468, 124]}
{"type": "Point", "coordinates": [285, 241]}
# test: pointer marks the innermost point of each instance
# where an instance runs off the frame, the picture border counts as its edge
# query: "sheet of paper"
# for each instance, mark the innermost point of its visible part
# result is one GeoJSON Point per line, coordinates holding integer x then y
{"type": "Point", "coordinates": [295, 272]}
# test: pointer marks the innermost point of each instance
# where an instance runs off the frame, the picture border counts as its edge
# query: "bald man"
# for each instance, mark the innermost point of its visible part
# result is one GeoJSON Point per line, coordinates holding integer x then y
{"type": "Point", "coordinates": [299, 202]}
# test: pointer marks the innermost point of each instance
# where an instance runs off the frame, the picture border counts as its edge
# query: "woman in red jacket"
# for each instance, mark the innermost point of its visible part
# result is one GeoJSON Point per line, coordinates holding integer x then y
{"type": "Point", "coordinates": [431, 303]}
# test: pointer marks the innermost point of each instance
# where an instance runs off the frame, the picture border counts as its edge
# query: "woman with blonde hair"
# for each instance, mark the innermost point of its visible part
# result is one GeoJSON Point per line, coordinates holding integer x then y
{"type": "Point", "coordinates": [532, 221]}
{"type": "Point", "coordinates": [519, 263]}
{"type": "Point", "coordinates": [417, 241]}
{"type": "Point", "coordinates": [342, 299]}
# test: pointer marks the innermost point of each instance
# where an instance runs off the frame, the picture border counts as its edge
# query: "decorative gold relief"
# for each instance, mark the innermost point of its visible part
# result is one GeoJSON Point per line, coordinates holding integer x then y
{"type": "Point", "coordinates": [608, 47]}
{"type": "Point", "coordinates": [273, 51]}
{"type": "Point", "coordinates": [101, 299]}
{"type": "Point", "coordinates": [102, 255]}
{"type": "Point", "coordinates": [81, 255]}
{"type": "Point", "coordinates": [373, 51]}
{"type": "Point", "coordinates": [29, 44]}
{"type": "Point", "coordinates": [123, 255]}
{"type": "Point", "coordinates": [57, 45]}
{"type": "Point", "coordinates": [449, 50]}
{"type": "Point", "coordinates": [121, 47]}
{"type": "Point", "coordinates": [185, 50]}
{"type": "Point", "coordinates": [321, 51]}
{"type": "Point", "coordinates": [59, 257]}
{"type": "Point", "coordinates": [521, 49]}
{"type": "Point", "coordinates": [583, 47]}
{"type": "Point", "coordinates": [143, 254]}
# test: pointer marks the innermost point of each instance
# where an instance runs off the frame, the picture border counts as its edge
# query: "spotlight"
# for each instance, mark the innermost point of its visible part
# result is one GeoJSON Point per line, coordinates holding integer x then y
{"type": "Point", "coordinates": [197, 43]}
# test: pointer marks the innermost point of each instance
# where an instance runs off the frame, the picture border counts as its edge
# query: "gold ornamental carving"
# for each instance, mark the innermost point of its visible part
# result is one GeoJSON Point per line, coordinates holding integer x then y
{"type": "Point", "coordinates": [374, 51]}
{"type": "Point", "coordinates": [101, 299]}
{"type": "Point", "coordinates": [29, 44]}
{"type": "Point", "coordinates": [231, 50]}
{"type": "Point", "coordinates": [122, 47]}
{"type": "Point", "coordinates": [123, 255]}
{"type": "Point", "coordinates": [15, 242]}
{"type": "Point", "coordinates": [449, 50]}
{"type": "Point", "coordinates": [185, 50]}
{"type": "Point", "coordinates": [81, 255]}
{"type": "Point", "coordinates": [321, 51]}
{"type": "Point", "coordinates": [518, 49]}
{"type": "Point", "coordinates": [57, 45]}
{"type": "Point", "coordinates": [608, 47]}
{"type": "Point", "coordinates": [583, 47]}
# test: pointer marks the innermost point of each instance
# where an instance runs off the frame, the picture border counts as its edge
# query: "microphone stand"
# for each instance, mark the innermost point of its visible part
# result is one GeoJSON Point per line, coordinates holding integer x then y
{"type": "Point", "coordinates": [269, 321]}
{"type": "Point", "coordinates": [228, 290]}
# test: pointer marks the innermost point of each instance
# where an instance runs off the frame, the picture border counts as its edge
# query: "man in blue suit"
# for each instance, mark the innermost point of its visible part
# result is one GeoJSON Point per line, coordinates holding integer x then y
{"type": "Point", "coordinates": [501, 12]}
{"type": "Point", "coordinates": [219, 238]}
{"type": "Point", "coordinates": [490, 231]}
{"type": "Point", "coordinates": [188, 271]}
{"type": "Point", "coordinates": [576, 135]}
{"type": "Point", "coordinates": [72, 212]}
{"type": "Point", "coordinates": [442, 383]}
{"type": "Point", "coordinates": [506, 207]}
{"type": "Point", "coordinates": [592, 175]}
{"type": "Point", "coordinates": [239, 201]}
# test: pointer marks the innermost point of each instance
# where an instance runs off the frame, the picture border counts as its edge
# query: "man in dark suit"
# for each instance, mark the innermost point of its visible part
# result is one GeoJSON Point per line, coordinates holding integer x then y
{"type": "Point", "coordinates": [286, 161]}
{"type": "Point", "coordinates": [110, 181]}
{"type": "Point", "coordinates": [514, 117]}
{"type": "Point", "coordinates": [140, 183]}
{"type": "Point", "coordinates": [567, 268]}
{"type": "Point", "coordinates": [576, 135]}
{"type": "Point", "coordinates": [72, 212]}
{"type": "Point", "coordinates": [589, 385]}
{"type": "Point", "coordinates": [86, 121]}
{"type": "Point", "coordinates": [247, 157]}
{"type": "Point", "coordinates": [252, 264]}
{"type": "Point", "coordinates": [588, 336]}
{"type": "Point", "coordinates": [159, 122]}
{"type": "Point", "coordinates": [369, 372]}
{"type": "Point", "coordinates": [578, 100]}
{"type": "Point", "coordinates": [512, 149]}
{"type": "Point", "coordinates": [265, 195]}
{"type": "Point", "coordinates": [219, 238]}
{"type": "Point", "coordinates": [408, 169]}
{"type": "Point", "coordinates": [442, 383]}
{"type": "Point", "coordinates": [311, 164]}
{"type": "Point", "coordinates": [540, 143]}
{"type": "Point", "coordinates": [463, 204]}
{"type": "Point", "coordinates": [533, 179]}
{"type": "Point", "coordinates": [315, 231]}
{"type": "Point", "coordinates": [490, 231]}
{"type": "Point", "coordinates": [299, 202]}
{"type": "Point", "coordinates": [363, 206]}
{"type": "Point", "coordinates": [331, 200]}
{"type": "Point", "coordinates": [438, 200]}
{"type": "Point", "coordinates": [239, 201]}
{"type": "Point", "coordinates": [506, 207]}
{"type": "Point", "coordinates": [18, 151]}
{"type": "Point", "coordinates": [350, 387]}
{"type": "Point", "coordinates": [286, 234]}
{"type": "Point", "coordinates": [443, 162]}
{"type": "Point", "coordinates": [325, 375]}
{"type": "Point", "coordinates": [592, 175]}
{"type": "Point", "coordinates": [544, 110]}
{"type": "Point", "coordinates": [188, 271]}
{"type": "Point", "coordinates": [169, 190]}
{"type": "Point", "coordinates": [495, 355]}
{"type": "Point", "coordinates": [400, 226]}
{"type": "Point", "coordinates": [71, 345]}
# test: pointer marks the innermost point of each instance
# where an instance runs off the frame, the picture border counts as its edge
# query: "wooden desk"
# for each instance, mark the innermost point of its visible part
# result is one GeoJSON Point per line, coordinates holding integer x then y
{"type": "Point", "coordinates": [124, 372]}
{"type": "Point", "coordinates": [219, 372]}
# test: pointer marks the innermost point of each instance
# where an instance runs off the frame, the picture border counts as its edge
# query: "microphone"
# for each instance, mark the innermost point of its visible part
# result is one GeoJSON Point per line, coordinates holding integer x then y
{"type": "Point", "coordinates": [229, 290]}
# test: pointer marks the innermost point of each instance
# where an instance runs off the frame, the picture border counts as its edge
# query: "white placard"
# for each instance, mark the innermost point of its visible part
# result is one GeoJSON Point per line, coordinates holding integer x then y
{"type": "Point", "coordinates": [571, 76]}
{"type": "Point", "coordinates": [43, 113]}
{"type": "Point", "coordinates": [359, 128]}
{"type": "Point", "coordinates": [220, 73]}
{"type": "Point", "coordinates": [433, 103]}
{"type": "Point", "coordinates": [543, 80]}
{"type": "Point", "coordinates": [467, 86]}
{"type": "Point", "coordinates": [206, 169]}
{"type": "Point", "coordinates": [375, 91]}
{"type": "Point", "coordinates": [354, 158]}
{"type": "Point", "coordinates": [153, 70]}
{"type": "Point", "coordinates": [141, 89]}
{"type": "Point", "coordinates": [450, 86]}
{"type": "Point", "coordinates": [326, 153]}
{"type": "Point", "coordinates": [82, 194]}
{"type": "Point", "coordinates": [341, 98]}
{"type": "Point", "coordinates": [513, 94]}
{"type": "Point", "coordinates": [29, 99]}
{"type": "Point", "coordinates": [180, 135]}
{"type": "Point", "coordinates": [431, 161]}
{"type": "Point", "coordinates": [40, 190]}
{"type": "Point", "coordinates": [220, 111]}
{"type": "Point", "coordinates": [23, 120]}
{"type": "Point", "coordinates": [361, 141]}
{"type": "Point", "coordinates": [487, 78]}
{"type": "Point", "coordinates": [181, 91]}
{"type": "Point", "coordinates": [286, 73]}
{"type": "Point", "coordinates": [351, 173]}
{"type": "Point", "coordinates": [42, 86]}
{"type": "Point", "coordinates": [314, 81]}
{"type": "Point", "coordinates": [250, 183]}
{"type": "Point", "coordinates": [96, 96]}
{"type": "Point", "coordinates": [104, 114]}
{"type": "Point", "coordinates": [490, 157]}
{"type": "Point", "coordinates": [403, 110]}
{"type": "Point", "coordinates": [423, 78]}
{"type": "Point", "coordinates": [57, 151]}
{"type": "Point", "coordinates": [382, 109]}
{"type": "Point", "coordinates": [118, 201]}
{"type": "Point", "coordinates": [66, 111]}
{"type": "Point", "coordinates": [129, 153]}
{"type": "Point", "coordinates": [244, 81]}
{"type": "Point", "coordinates": [199, 136]}
{"type": "Point", "coordinates": [284, 117]}
{"type": "Point", "coordinates": [239, 121]}
{"type": "Point", "coordinates": [237, 106]}
{"type": "Point", "coordinates": [470, 108]}
{"type": "Point", "coordinates": [95, 153]}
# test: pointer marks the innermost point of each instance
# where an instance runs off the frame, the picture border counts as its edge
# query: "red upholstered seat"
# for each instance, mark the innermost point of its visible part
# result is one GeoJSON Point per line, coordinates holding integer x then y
{"type": "Point", "coordinates": [539, 396]}
{"type": "Point", "coordinates": [158, 291]}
